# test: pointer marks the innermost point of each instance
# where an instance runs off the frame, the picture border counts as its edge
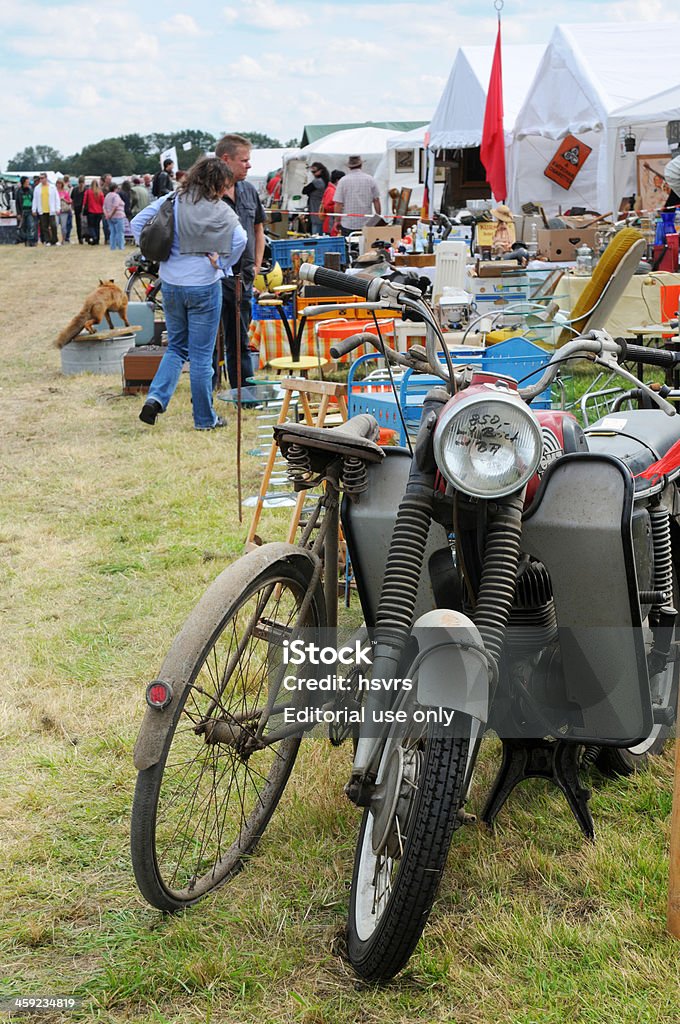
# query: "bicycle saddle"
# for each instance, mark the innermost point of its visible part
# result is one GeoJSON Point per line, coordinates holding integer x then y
{"type": "Point", "coordinates": [355, 438]}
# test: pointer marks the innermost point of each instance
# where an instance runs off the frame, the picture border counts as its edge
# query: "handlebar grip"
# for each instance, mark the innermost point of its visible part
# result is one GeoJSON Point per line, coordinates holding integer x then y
{"type": "Point", "coordinates": [346, 284]}
{"type": "Point", "coordinates": [651, 356]}
{"type": "Point", "coordinates": [345, 345]}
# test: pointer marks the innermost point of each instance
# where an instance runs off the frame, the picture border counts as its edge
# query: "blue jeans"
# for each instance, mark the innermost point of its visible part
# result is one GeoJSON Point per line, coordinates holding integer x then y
{"type": "Point", "coordinates": [192, 316]}
{"type": "Point", "coordinates": [116, 238]}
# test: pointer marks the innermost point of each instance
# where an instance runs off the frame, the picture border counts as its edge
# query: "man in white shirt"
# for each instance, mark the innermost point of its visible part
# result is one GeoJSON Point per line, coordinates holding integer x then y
{"type": "Point", "coordinates": [355, 195]}
{"type": "Point", "coordinates": [46, 206]}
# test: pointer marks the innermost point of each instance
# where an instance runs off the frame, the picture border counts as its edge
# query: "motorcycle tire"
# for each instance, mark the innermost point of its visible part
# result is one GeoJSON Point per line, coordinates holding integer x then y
{"type": "Point", "coordinates": [384, 925]}
{"type": "Point", "coordinates": [201, 809]}
{"type": "Point", "coordinates": [625, 761]}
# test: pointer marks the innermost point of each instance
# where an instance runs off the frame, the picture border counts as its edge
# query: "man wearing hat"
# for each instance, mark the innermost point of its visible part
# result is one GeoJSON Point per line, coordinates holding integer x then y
{"type": "Point", "coordinates": [355, 195]}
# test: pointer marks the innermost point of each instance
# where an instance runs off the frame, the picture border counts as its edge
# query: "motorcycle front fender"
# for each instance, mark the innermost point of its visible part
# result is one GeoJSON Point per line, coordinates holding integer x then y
{"type": "Point", "coordinates": [450, 672]}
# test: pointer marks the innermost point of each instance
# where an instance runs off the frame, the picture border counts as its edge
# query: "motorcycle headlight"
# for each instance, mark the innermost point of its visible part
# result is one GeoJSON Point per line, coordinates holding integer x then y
{"type": "Point", "coordinates": [488, 445]}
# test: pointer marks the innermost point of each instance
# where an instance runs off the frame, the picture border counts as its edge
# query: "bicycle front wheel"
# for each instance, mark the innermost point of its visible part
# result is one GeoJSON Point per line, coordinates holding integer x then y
{"type": "Point", "coordinates": [201, 809]}
{"type": "Point", "coordinates": [140, 286]}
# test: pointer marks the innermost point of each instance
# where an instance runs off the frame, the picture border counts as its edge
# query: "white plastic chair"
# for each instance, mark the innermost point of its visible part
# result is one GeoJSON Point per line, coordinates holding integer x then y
{"type": "Point", "coordinates": [450, 265]}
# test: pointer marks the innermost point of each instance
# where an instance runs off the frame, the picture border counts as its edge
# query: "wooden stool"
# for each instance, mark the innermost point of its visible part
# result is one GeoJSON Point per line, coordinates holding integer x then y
{"type": "Point", "coordinates": [325, 390]}
{"type": "Point", "coordinates": [298, 367]}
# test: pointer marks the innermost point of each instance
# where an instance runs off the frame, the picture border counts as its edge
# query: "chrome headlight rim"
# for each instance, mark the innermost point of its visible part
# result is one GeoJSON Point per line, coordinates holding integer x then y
{"type": "Point", "coordinates": [458, 407]}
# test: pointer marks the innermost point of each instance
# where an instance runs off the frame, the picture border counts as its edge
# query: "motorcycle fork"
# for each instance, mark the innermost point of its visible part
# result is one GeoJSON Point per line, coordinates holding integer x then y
{"type": "Point", "coordinates": [397, 603]}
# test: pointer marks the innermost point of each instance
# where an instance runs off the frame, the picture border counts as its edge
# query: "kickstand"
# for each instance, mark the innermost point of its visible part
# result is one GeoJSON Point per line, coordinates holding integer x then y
{"type": "Point", "coordinates": [554, 760]}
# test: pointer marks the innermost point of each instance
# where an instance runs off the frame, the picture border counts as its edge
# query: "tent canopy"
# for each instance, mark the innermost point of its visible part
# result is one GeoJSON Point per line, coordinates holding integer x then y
{"type": "Point", "coordinates": [415, 139]}
{"type": "Point", "coordinates": [588, 71]}
{"type": "Point", "coordinates": [333, 151]}
{"type": "Point", "coordinates": [457, 121]}
{"type": "Point", "coordinates": [663, 106]}
{"type": "Point", "coordinates": [594, 80]}
{"type": "Point", "coordinates": [314, 132]}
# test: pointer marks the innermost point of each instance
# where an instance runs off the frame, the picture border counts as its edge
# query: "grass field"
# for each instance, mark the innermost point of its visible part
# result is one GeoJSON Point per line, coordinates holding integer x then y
{"type": "Point", "coordinates": [109, 532]}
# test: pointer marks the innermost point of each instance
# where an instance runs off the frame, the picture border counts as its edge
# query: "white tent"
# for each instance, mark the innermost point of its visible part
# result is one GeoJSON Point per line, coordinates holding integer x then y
{"type": "Point", "coordinates": [405, 165]}
{"type": "Point", "coordinates": [663, 106]}
{"type": "Point", "coordinates": [593, 81]}
{"type": "Point", "coordinates": [333, 151]}
{"type": "Point", "coordinates": [262, 162]}
{"type": "Point", "coordinates": [457, 121]}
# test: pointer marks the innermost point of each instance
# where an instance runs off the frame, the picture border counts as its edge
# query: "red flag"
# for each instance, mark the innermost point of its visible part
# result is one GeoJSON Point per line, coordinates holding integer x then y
{"type": "Point", "coordinates": [492, 150]}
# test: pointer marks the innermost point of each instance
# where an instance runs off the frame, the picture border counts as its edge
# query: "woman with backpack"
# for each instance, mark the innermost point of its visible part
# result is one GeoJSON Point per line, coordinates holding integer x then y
{"type": "Point", "coordinates": [207, 240]}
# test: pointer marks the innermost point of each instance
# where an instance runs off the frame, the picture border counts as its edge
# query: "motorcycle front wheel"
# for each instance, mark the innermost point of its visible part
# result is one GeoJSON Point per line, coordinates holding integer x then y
{"type": "Point", "coordinates": [403, 845]}
{"type": "Point", "coordinates": [199, 812]}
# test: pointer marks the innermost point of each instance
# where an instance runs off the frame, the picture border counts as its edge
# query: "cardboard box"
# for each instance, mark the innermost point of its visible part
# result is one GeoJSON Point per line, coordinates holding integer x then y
{"type": "Point", "coordinates": [561, 245]}
{"type": "Point", "coordinates": [392, 233]}
{"type": "Point", "coordinates": [490, 293]}
{"type": "Point", "coordinates": [415, 259]}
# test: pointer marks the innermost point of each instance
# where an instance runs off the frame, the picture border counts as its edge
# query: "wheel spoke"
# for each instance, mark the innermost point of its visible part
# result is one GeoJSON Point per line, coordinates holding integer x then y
{"type": "Point", "coordinates": [215, 795]}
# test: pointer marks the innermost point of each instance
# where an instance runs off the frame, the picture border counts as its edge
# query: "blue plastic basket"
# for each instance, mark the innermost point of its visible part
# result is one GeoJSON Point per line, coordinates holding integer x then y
{"type": "Point", "coordinates": [523, 361]}
{"type": "Point", "coordinates": [516, 358]}
{"type": "Point", "coordinates": [377, 397]}
{"type": "Point", "coordinates": [283, 248]}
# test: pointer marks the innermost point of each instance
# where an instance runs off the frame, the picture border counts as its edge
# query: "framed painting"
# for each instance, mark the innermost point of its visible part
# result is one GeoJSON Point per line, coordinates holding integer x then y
{"type": "Point", "coordinates": [652, 188]}
{"type": "Point", "coordinates": [404, 161]}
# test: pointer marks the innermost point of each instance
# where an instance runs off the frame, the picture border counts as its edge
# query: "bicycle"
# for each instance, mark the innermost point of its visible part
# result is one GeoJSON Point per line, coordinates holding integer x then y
{"type": "Point", "coordinates": [212, 755]}
{"type": "Point", "coordinates": [143, 284]}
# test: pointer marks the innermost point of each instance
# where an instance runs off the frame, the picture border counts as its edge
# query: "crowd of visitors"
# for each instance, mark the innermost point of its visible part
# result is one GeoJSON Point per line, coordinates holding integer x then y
{"type": "Point", "coordinates": [47, 211]}
{"type": "Point", "coordinates": [217, 251]}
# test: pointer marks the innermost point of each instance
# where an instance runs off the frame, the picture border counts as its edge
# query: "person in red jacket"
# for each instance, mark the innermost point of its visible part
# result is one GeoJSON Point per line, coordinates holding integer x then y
{"type": "Point", "coordinates": [93, 208]}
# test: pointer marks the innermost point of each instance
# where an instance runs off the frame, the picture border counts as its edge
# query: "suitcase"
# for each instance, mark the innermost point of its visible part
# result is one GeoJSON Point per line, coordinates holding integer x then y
{"type": "Point", "coordinates": [139, 367]}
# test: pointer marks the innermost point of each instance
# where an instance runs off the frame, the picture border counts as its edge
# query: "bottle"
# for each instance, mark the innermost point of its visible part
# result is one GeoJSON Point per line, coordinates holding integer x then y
{"type": "Point", "coordinates": [584, 261]}
{"type": "Point", "coordinates": [532, 244]}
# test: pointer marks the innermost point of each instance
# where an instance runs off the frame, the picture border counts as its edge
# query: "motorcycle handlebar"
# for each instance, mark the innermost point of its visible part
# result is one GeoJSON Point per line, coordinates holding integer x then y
{"type": "Point", "coordinates": [346, 284]}
{"type": "Point", "coordinates": [650, 356]}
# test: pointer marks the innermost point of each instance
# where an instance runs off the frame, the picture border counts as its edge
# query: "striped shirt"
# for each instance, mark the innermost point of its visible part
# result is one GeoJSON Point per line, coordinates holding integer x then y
{"type": "Point", "coordinates": [356, 191]}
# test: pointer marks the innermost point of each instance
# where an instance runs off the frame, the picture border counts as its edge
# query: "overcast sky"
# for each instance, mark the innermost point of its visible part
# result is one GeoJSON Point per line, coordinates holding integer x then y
{"type": "Point", "coordinates": [73, 73]}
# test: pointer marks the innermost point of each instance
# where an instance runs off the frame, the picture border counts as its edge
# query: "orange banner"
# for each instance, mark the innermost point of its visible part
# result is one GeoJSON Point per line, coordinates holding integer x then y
{"type": "Point", "coordinates": [567, 161]}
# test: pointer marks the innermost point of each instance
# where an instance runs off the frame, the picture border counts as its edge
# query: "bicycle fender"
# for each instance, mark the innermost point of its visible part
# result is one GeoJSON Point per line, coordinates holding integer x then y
{"type": "Point", "coordinates": [449, 673]}
{"type": "Point", "coordinates": [201, 624]}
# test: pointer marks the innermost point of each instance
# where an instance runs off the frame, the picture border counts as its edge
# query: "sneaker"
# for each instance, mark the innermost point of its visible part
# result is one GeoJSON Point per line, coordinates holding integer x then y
{"type": "Point", "coordinates": [57, 243]}
{"type": "Point", "coordinates": [150, 410]}
{"type": "Point", "coordinates": [219, 422]}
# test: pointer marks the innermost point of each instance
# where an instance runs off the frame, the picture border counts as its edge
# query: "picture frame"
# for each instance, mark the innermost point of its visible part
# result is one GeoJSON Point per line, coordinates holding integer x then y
{"type": "Point", "coordinates": [439, 170]}
{"type": "Point", "coordinates": [404, 161]}
{"type": "Point", "coordinates": [652, 189]}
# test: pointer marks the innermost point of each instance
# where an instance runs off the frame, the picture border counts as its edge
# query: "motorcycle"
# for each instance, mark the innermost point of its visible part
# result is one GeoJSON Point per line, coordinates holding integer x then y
{"type": "Point", "coordinates": [517, 575]}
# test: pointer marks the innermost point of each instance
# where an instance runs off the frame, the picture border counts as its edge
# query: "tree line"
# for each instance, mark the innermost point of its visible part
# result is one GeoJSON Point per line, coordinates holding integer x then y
{"type": "Point", "coordinates": [130, 154]}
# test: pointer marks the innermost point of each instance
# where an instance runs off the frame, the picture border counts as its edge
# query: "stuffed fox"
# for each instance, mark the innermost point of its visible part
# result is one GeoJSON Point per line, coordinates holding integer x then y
{"type": "Point", "coordinates": [98, 304]}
